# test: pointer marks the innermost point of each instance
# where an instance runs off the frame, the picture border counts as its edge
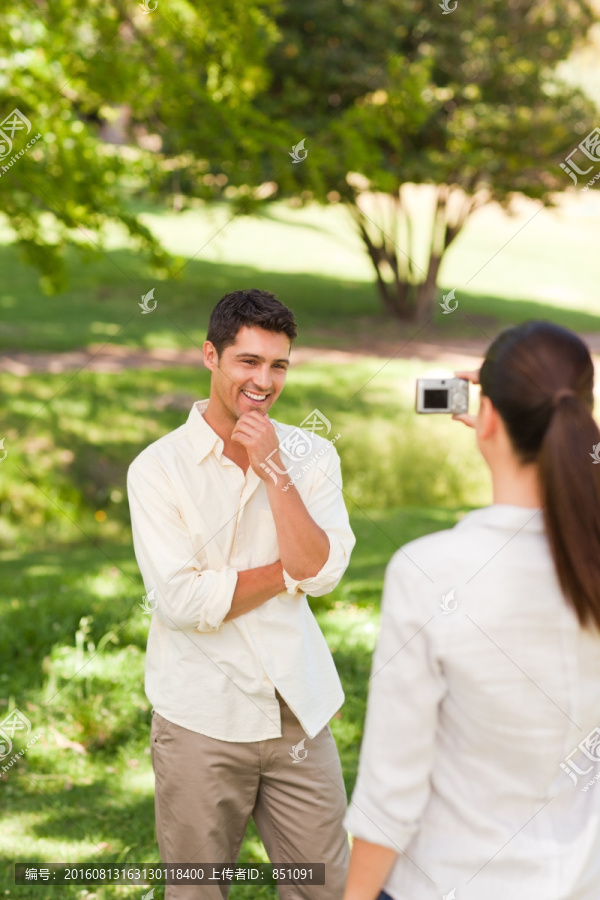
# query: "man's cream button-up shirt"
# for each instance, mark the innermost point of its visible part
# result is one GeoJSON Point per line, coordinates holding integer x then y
{"type": "Point", "coordinates": [197, 520]}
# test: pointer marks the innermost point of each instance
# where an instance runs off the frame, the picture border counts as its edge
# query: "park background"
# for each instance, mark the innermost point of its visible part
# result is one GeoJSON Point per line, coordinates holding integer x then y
{"type": "Point", "coordinates": [363, 162]}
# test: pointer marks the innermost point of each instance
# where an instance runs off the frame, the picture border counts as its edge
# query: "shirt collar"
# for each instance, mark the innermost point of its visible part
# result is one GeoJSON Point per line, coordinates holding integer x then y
{"type": "Point", "coordinates": [506, 516]}
{"type": "Point", "coordinates": [204, 439]}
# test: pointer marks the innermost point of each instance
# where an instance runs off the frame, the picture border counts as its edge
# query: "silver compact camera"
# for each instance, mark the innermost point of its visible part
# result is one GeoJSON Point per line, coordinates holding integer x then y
{"type": "Point", "coordinates": [442, 395]}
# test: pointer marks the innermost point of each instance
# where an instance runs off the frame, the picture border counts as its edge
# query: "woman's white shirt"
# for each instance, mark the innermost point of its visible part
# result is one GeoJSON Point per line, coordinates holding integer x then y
{"type": "Point", "coordinates": [480, 762]}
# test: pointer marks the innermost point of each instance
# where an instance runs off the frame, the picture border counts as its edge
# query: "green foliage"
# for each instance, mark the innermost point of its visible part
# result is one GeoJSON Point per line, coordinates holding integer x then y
{"type": "Point", "coordinates": [404, 462]}
{"type": "Point", "coordinates": [194, 101]}
{"type": "Point", "coordinates": [402, 93]}
{"type": "Point", "coordinates": [179, 81]}
{"type": "Point", "coordinates": [394, 93]}
{"type": "Point", "coordinates": [96, 693]}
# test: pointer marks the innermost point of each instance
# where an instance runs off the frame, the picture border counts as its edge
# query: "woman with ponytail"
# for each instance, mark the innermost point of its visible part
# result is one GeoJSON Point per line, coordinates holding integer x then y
{"type": "Point", "coordinates": [479, 775]}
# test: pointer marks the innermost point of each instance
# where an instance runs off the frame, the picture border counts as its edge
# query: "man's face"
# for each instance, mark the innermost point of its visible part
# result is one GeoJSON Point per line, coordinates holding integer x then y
{"type": "Point", "coordinates": [249, 374]}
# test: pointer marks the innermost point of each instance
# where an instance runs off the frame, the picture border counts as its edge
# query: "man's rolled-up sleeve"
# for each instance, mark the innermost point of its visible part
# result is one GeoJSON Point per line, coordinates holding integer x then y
{"type": "Point", "coordinates": [406, 688]}
{"type": "Point", "coordinates": [326, 505]}
{"type": "Point", "coordinates": [186, 596]}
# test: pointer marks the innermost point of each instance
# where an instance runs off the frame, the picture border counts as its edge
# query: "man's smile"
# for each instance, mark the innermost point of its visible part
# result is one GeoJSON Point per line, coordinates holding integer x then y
{"type": "Point", "coordinates": [255, 398]}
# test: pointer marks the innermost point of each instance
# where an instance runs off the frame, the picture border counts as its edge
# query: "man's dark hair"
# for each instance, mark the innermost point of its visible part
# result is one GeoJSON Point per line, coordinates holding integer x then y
{"type": "Point", "coordinates": [252, 308]}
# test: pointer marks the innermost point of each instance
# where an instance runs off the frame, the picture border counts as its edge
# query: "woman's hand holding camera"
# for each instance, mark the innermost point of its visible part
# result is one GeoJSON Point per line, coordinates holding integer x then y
{"type": "Point", "coordinates": [467, 418]}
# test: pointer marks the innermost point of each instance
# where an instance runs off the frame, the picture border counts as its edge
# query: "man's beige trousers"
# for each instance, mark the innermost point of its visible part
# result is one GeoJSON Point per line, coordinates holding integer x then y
{"type": "Point", "coordinates": [206, 791]}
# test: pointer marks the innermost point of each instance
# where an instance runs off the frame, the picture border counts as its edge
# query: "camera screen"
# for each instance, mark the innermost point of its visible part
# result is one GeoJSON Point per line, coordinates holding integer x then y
{"type": "Point", "coordinates": [435, 399]}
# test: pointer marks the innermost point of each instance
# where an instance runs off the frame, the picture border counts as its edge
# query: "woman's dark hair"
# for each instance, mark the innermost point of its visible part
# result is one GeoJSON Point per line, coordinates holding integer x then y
{"type": "Point", "coordinates": [540, 378]}
{"type": "Point", "coordinates": [252, 308]}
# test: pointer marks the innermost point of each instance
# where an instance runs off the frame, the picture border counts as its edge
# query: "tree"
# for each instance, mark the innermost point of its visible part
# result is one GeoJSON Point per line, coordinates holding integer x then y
{"type": "Point", "coordinates": [394, 94]}
{"type": "Point", "coordinates": [172, 84]}
{"type": "Point", "coordinates": [196, 100]}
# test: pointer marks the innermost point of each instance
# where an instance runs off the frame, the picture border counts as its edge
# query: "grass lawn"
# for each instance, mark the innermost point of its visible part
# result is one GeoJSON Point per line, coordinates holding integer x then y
{"type": "Point", "coordinates": [504, 270]}
{"type": "Point", "coordinates": [73, 636]}
{"type": "Point", "coordinates": [63, 806]}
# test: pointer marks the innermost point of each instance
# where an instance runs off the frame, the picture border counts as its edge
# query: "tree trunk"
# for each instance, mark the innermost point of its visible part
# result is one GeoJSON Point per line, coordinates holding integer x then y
{"type": "Point", "coordinates": [427, 291]}
{"type": "Point", "coordinates": [406, 298]}
{"type": "Point", "coordinates": [403, 299]}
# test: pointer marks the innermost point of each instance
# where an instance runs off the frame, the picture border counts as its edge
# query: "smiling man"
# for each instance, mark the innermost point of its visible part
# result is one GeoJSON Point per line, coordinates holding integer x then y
{"type": "Point", "coordinates": [230, 533]}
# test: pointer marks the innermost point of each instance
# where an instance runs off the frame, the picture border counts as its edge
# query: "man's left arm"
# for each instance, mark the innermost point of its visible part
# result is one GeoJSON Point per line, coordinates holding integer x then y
{"type": "Point", "coordinates": [315, 544]}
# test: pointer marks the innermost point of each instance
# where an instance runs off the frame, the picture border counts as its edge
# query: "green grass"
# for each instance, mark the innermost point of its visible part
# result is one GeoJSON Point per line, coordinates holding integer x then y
{"type": "Point", "coordinates": [314, 261]}
{"type": "Point", "coordinates": [63, 805]}
{"type": "Point", "coordinates": [73, 636]}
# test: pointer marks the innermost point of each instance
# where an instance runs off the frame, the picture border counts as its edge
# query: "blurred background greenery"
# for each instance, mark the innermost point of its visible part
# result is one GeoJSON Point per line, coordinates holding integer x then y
{"type": "Point", "coordinates": [173, 198]}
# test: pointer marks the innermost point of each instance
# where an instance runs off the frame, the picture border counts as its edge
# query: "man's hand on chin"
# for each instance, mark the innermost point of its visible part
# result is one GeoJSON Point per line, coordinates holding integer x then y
{"type": "Point", "coordinates": [256, 433]}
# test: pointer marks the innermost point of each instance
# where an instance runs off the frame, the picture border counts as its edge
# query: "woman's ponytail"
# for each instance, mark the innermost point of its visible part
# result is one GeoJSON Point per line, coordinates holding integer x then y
{"type": "Point", "coordinates": [570, 483]}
